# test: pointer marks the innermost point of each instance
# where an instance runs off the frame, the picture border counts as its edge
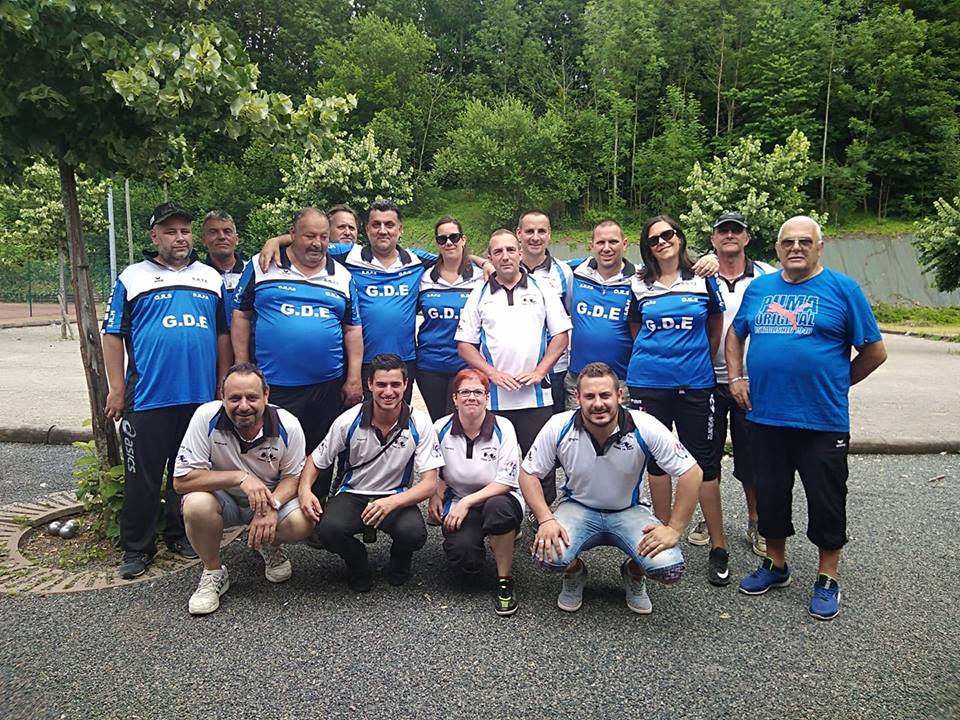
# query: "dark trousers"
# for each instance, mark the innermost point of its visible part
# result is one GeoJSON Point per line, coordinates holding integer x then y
{"type": "Point", "coordinates": [437, 391]}
{"type": "Point", "coordinates": [464, 546]}
{"type": "Point", "coordinates": [528, 422]}
{"type": "Point", "coordinates": [316, 407]}
{"type": "Point", "coordinates": [151, 440]}
{"type": "Point", "coordinates": [411, 376]}
{"type": "Point", "coordinates": [557, 391]}
{"type": "Point", "coordinates": [341, 521]}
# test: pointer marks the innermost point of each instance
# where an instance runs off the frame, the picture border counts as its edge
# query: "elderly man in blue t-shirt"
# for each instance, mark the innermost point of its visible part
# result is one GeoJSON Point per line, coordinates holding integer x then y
{"type": "Point", "coordinates": [802, 323]}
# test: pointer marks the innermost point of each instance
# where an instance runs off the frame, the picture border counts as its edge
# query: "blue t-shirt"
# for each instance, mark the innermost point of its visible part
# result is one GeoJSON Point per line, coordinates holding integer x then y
{"type": "Point", "coordinates": [169, 320]}
{"type": "Point", "coordinates": [297, 321]}
{"type": "Point", "coordinates": [801, 335]}
{"type": "Point", "coordinates": [440, 304]}
{"type": "Point", "coordinates": [598, 310]}
{"type": "Point", "coordinates": [672, 348]}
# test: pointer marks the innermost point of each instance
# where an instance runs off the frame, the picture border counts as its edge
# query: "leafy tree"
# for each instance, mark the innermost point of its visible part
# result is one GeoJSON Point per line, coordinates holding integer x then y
{"type": "Point", "coordinates": [765, 187]}
{"type": "Point", "coordinates": [938, 240]}
{"type": "Point", "coordinates": [510, 158]}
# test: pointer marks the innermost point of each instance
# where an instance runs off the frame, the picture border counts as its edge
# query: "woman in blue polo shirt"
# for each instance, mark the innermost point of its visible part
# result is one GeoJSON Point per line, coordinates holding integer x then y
{"type": "Point", "coordinates": [676, 319]}
{"type": "Point", "coordinates": [443, 291]}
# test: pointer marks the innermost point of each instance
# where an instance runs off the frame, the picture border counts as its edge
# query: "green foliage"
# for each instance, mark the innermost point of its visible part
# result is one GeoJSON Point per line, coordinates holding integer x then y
{"type": "Point", "coordinates": [100, 491]}
{"type": "Point", "coordinates": [917, 315]}
{"type": "Point", "coordinates": [765, 187]}
{"type": "Point", "coordinates": [938, 240]}
{"type": "Point", "coordinates": [510, 158]}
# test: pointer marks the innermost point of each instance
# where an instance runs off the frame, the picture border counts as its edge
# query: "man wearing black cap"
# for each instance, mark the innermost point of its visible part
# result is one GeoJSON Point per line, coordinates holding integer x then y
{"type": "Point", "coordinates": [730, 237]}
{"type": "Point", "coordinates": [166, 318]}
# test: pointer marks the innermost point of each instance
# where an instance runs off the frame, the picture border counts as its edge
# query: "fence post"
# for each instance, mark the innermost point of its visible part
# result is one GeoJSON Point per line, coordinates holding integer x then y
{"type": "Point", "coordinates": [29, 288]}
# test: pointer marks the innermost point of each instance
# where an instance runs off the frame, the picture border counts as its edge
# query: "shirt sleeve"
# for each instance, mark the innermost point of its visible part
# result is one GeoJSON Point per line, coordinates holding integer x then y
{"type": "Point", "coordinates": [862, 325]}
{"type": "Point", "coordinates": [222, 327]}
{"type": "Point", "coordinates": [741, 324]}
{"type": "Point", "coordinates": [468, 329]}
{"type": "Point", "coordinates": [244, 292]}
{"type": "Point", "coordinates": [334, 443]}
{"type": "Point", "coordinates": [557, 319]}
{"type": "Point", "coordinates": [634, 311]}
{"type": "Point", "coordinates": [715, 302]}
{"type": "Point", "coordinates": [295, 454]}
{"type": "Point", "coordinates": [427, 455]}
{"type": "Point", "coordinates": [116, 322]}
{"type": "Point", "coordinates": [194, 453]}
{"type": "Point", "coordinates": [508, 460]}
{"type": "Point", "coordinates": [352, 316]}
{"type": "Point", "coordinates": [542, 455]}
{"type": "Point", "coordinates": [426, 256]}
{"type": "Point", "coordinates": [668, 452]}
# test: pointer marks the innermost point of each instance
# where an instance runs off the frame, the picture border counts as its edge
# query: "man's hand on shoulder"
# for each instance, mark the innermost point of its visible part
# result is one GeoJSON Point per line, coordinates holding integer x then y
{"type": "Point", "coordinates": [706, 266]}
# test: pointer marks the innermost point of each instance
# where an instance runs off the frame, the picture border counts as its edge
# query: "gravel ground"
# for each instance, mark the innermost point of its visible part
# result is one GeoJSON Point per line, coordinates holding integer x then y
{"type": "Point", "coordinates": [433, 649]}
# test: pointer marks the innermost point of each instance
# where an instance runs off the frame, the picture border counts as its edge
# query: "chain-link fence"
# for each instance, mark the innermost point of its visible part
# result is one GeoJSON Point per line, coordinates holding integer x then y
{"type": "Point", "coordinates": [37, 281]}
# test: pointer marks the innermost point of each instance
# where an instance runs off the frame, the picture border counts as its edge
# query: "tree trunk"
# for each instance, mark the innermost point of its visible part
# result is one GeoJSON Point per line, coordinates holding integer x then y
{"type": "Point", "coordinates": [716, 129]}
{"type": "Point", "coordinates": [826, 126]}
{"type": "Point", "coordinates": [633, 147]}
{"type": "Point", "coordinates": [91, 352]}
{"type": "Point", "coordinates": [65, 327]}
{"type": "Point", "coordinates": [616, 147]}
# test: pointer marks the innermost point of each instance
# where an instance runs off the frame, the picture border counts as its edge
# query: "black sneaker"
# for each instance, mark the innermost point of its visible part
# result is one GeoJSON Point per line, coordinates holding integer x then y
{"type": "Point", "coordinates": [183, 548]}
{"type": "Point", "coordinates": [359, 577]}
{"type": "Point", "coordinates": [506, 601]}
{"type": "Point", "coordinates": [717, 572]}
{"type": "Point", "coordinates": [134, 564]}
{"type": "Point", "coordinates": [398, 571]}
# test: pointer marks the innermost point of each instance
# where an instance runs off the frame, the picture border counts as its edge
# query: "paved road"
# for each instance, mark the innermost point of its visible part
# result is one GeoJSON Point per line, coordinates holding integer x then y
{"type": "Point", "coordinates": [432, 650]}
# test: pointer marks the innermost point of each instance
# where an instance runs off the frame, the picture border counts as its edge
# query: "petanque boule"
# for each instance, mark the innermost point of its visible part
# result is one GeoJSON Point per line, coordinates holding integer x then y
{"type": "Point", "coordinates": [69, 529]}
{"type": "Point", "coordinates": [54, 527]}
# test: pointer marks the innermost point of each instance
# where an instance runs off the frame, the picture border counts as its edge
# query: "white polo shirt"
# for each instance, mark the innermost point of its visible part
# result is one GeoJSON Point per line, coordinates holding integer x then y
{"type": "Point", "coordinates": [607, 478]}
{"type": "Point", "coordinates": [212, 443]}
{"type": "Point", "coordinates": [732, 293]}
{"type": "Point", "coordinates": [411, 445]}
{"type": "Point", "coordinates": [557, 276]}
{"type": "Point", "coordinates": [471, 465]}
{"type": "Point", "coordinates": [512, 327]}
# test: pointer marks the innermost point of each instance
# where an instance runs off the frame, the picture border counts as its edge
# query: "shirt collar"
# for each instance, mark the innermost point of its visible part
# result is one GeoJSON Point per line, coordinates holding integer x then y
{"type": "Point", "coordinates": [366, 254]}
{"type": "Point", "coordinates": [237, 263]}
{"type": "Point", "coordinates": [286, 264]}
{"type": "Point", "coordinates": [271, 421]}
{"type": "Point", "coordinates": [495, 284]}
{"type": "Point", "coordinates": [627, 271]}
{"type": "Point", "coordinates": [486, 427]}
{"type": "Point", "coordinates": [625, 425]}
{"type": "Point", "coordinates": [545, 265]}
{"type": "Point", "coordinates": [151, 256]}
{"type": "Point", "coordinates": [366, 414]}
{"type": "Point", "coordinates": [467, 273]}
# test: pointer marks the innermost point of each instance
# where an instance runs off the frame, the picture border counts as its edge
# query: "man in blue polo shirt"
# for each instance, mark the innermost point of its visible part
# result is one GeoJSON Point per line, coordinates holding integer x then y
{"type": "Point", "coordinates": [165, 318]}
{"type": "Point", "coordinates": [300, 323]}
{"type": "Point", "coordinates": [802, 323]}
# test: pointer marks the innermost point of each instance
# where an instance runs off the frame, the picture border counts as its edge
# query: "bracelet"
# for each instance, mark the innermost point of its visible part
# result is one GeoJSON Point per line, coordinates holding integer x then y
{"type": "Point", "coordinates": [733, 380]}
{"type": "Point", "coordinates": [548, 520]}
{"type": "Point", "coordinates": [245, 474]}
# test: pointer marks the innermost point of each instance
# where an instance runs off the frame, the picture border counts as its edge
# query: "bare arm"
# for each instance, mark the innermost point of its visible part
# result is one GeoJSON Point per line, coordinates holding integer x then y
{"type": "Point", "coordinates": [552, 538]}
{"type": "Point", "coordinates": [375, 513]}
{"type": "Point", "coordinates": [458, 512]}
{"type": "Point", "coordinates": [258, 494]}
{"type": "Point", "coordinates": [869, 357]}
{"type": "Point", "coordinates": [715, 332]}
{"type": "Point", "coordinates": [271, 250]}
{"type": "Point", "coordinates": [634, 329]}
{"type": "Point", "coordinates": [475, 359]}
{"type": "Point", "coordinates": [113, 355]}
{"type": "Point", "coordinates": [658, 538]}
{"type": "Point", "coordinates": [733, 353]}
{"type": "Point", "coordinates": [240, 335]}
{"type": "Point", "coordinates": [224, 357]}
{"type": "Point", "coordinates": [352, 391]}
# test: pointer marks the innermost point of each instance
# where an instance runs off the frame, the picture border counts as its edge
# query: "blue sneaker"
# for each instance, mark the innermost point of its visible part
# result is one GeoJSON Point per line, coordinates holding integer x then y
{"type": "Point", "coordinates": [825, 603]}
{"type": "Point", "coordinates": [765, 577]}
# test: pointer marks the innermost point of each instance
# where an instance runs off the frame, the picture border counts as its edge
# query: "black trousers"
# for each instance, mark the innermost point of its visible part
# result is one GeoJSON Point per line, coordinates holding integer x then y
{"type": "Point", "coordinates": [151, 440]}
{"type": "Point", "coordinates": [341, 521]}
{"type": "Point", "coordinates": [316, 407]}
{"type": "Point", "coordinates": [437, 391]}
{"type": "Point", "coordinates": [411, 376]}
{"type": "Point", "coordinates": [464, 546]}
{"type": "Point", "coordinates": [528, 422]}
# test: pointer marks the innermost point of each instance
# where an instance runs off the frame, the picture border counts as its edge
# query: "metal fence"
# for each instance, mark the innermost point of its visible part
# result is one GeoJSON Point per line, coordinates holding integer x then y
{"type": "Point", "coordinates": [37, 281]}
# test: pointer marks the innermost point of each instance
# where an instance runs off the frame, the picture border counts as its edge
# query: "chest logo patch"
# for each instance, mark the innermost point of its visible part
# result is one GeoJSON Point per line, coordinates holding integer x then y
{"type": "Point", "coordinates": [787, 314]}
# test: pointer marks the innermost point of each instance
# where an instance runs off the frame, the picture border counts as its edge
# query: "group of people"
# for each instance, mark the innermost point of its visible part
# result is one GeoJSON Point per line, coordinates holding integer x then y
{"type": "Point", "coordinates": [526, 364]}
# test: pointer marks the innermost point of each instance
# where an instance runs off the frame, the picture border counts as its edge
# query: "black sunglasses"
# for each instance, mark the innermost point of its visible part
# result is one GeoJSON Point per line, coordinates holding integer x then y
{"type": "Point", "coordinates": [666, 236]}
{"type": "Point", "coordinates": [452, 237]}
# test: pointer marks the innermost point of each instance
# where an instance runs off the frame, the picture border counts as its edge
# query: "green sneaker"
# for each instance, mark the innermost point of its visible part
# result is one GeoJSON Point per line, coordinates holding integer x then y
{"type": "Point", "coordinates": [505, 603]}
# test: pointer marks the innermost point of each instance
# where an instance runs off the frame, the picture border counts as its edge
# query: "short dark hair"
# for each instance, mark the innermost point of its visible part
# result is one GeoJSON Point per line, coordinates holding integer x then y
{"type": "Point", "coordinates": [597, 370]}
{"type": "Point", "coordinates": [384, 205]}
{"type": "Point", "coordinates": [343, 207]}
{"type": "Point", "coordinates": [651, 267]}
{"type": "Point", "coordinates": [386, 362]}
{"type": "Point", "coordinates": [245, 368]}
{"type": "Point", "coordinates": [605, 222]}
{"type": "Point", "coordinates": [502, 231]}
{"type": "Point", "coordinates": [299, 214]}
{"type": "Point", "coordinates": [534, 211]}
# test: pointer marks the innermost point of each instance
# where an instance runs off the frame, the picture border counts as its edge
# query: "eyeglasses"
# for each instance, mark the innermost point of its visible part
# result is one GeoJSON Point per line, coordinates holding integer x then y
{"type": "Point", "coordinates": [731, 228]}
{"type": "Point", "coordinates": [805, 243]}
{"type": "Point", "coordinates": [452, 237]}
{"type": "Point", "coordinates": [471, 393]}
{"type": "Point", "coordinates": [666, 236]}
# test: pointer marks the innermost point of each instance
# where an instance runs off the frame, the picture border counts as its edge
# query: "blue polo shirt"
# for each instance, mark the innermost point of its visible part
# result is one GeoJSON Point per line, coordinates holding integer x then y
{"type": "Point", "coordinates": [440, 304]}
{"type": "Point", "coordinates": [801, 335]}
{"type": "Point", "coordinates": [672, 348]}
{"type": "Point", "coordinates": [598, 310]}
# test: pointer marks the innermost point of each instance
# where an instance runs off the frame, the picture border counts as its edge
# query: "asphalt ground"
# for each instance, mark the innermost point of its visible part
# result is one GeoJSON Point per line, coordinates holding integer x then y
{"type": "Point", "coordinates": [433, 649]}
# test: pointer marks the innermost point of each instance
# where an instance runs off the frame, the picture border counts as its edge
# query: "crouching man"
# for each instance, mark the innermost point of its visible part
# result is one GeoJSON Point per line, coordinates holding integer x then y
{"type": "Point", "coordinates": [604, 449]}
{"type": "Point", "coordinates": [239, 463]}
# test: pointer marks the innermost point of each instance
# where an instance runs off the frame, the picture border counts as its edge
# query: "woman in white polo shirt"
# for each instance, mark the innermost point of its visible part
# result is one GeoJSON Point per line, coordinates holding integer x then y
{"type": "Point", "coordinates": [479, 495]}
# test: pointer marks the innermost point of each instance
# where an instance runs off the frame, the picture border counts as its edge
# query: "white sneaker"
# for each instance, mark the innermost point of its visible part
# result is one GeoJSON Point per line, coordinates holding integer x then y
{"type": "Point", "coordinates": [571, 593]}
{"type": "Point", "coordinates": [699, 535]}
{"type": "Point", "coordinates": [756, 540]}
{"type": "Point", "coordinates": [635, 591]}
{"type": "Point", "coordinates": [277, 567]}
{"type": "Point", "coordinates": [206, 598]}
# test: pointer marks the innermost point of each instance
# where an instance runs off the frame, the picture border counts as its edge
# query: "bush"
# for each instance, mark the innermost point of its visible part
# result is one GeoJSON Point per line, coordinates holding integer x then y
{"type": "Point", "coordinates": [938, 240]}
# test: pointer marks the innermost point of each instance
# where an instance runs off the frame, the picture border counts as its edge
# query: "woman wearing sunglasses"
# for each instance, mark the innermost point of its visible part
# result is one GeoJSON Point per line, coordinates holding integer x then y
{"type": "Point", "coordinates": [479, 493]}
{"type": "Point", "coordinates": [676, 319]}
{"type": "Point", "coordinates": [443, 292]}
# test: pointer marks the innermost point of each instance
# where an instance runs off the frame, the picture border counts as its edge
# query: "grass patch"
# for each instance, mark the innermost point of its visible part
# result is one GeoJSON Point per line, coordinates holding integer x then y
{"type": "Point", "coordinates": [864, 224]}
{"type": "Point", "coordinates": [918, 316]}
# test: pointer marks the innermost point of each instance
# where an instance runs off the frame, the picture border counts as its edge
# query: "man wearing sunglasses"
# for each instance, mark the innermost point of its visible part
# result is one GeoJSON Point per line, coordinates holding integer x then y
{"type": "Point", "coordinates": [802, 323]}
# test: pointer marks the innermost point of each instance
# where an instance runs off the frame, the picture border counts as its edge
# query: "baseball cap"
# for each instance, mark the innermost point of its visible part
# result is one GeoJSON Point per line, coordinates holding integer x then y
{"type": "Point", "coordinates": [167, 211]}
{"type": "Point", "coordinates": [733, 217]}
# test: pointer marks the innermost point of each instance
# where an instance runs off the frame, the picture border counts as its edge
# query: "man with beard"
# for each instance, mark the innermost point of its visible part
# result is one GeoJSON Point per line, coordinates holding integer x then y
{"type": "Point", "coordinates": [240, 463]}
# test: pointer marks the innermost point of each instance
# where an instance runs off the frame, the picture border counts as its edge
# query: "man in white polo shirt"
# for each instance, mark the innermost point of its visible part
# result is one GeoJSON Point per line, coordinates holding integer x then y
{"type": "Point", "coordinates": [239, 462]}
{"type": "Point", "coordinates": [604, 449]}
{"type": "Point", "coordinates": [382, 441]}
{"type": "Point", "coordinates": [514, 331]}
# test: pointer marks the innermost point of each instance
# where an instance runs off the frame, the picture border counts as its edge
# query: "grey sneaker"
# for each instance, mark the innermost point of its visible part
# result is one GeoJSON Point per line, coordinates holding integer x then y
{"type": "Point", "coordinates": [699, 535]}
{"type": "Point", "coordinates": [571, 593]}
{"type": "Point", "coordinates": [276, 566]}
{"type": "Point", "coordinates": [757, 543]}
{"type": "Point", "coordinates": [636, 591]}
{"type": "Point", "coordinates": [206, 598]}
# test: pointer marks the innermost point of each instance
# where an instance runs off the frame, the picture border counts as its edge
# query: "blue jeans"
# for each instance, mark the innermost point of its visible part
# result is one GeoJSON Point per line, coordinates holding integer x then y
{"type": "Point", "coordinates": [588, 528]}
